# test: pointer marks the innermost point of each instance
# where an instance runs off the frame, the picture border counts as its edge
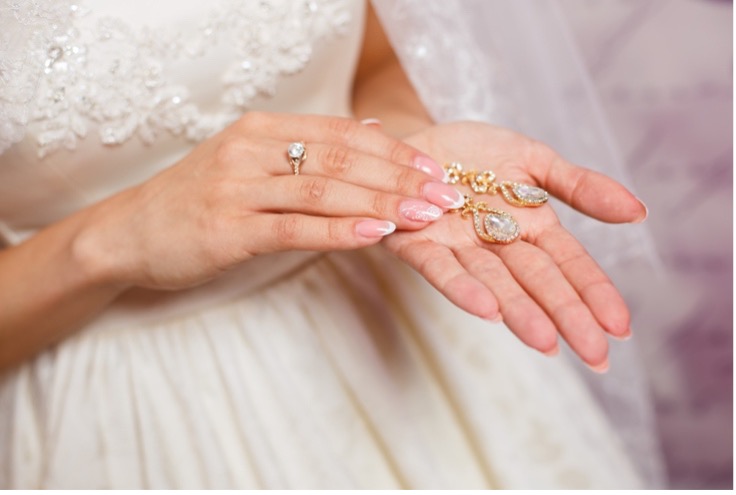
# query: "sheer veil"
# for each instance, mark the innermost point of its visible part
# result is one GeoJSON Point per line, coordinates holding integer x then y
{"type": "Point", "coordinates": [516, 64]}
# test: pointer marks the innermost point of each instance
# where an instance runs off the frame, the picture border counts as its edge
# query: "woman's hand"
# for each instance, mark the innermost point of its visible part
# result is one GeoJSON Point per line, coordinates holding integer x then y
{"type": "Point", "coordinates": [544, 283]}
{"type": "Point", "coordinates": [235, 197]}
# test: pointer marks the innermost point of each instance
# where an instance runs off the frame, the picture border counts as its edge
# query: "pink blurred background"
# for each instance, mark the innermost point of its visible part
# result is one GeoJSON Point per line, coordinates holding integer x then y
{"type": "Point", "coordinates": [663, 69]}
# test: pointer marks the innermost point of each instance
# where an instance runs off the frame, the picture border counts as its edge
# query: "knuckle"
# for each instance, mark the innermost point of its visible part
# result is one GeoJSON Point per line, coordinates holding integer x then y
{"type": "Point", "coordinates": [571, 258]}
{"type": "Point", "coordinates": [335, 232]}
{"type": "Point", "coordinates": [338, 160]}
{"type": "Point", "coordinates": [406, 179]}
{"type": "Point", "coordinates": [539, 268]}
{"type": "Point", "coordinates": [486, 269]}
{"type": "Point", "coordinates": [380, 205]}
{"type": "Point", "coordinates": [342, 128]}
{"type": "Point", "coordinates": [215, 196]}
{"type": "Point", "coordinates": [600, 282]}
{"type": "Point", "coordinates": [313, 189]}
{"type": "Point", "coordinates": [568, 310]}
{"type": "Point", "coordinates": [399, 152]}
{"type": "Point", "coordinates": [232, 149]}
{"type": "Point", "coordinates": [433, 266]}
{"type": "Point", "coordinates": [286, 230]}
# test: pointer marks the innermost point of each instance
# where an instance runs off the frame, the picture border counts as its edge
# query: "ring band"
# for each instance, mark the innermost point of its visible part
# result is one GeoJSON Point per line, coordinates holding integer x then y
{"type": "Point", "coordinates": [297, 153]}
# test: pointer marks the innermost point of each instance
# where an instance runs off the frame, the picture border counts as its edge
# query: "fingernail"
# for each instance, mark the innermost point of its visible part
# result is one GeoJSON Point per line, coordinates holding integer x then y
{"type": "Point", "coordinates": [443, 195]}
{"type": "Point", "coordinates": [496, 319]}
{"type": "Point", "coordinates": [420, 211]}
{"type": "Point", "coordinates": [646, 213]}
{"type": "Point", "coordinates": [552, 352]}
{"type": "Point", "coordinates": [428, 166]}
{"type": "Point", "coordinates": [623, 337]}
{"type": "Point", "coordinates": [375, 228]}
{"type": "Point", "coordinates": [371, 121]}
{"type": "Point", "coordinates": [600, 368]}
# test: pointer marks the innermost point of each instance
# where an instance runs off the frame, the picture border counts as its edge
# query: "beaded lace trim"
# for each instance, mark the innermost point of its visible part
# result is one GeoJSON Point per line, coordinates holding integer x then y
{"type": "Point", "coordinates": [65, 77]}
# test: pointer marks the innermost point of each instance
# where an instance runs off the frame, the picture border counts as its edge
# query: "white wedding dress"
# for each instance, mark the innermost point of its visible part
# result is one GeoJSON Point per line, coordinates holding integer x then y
{"type": "Point", "coordinates": [298, 370]}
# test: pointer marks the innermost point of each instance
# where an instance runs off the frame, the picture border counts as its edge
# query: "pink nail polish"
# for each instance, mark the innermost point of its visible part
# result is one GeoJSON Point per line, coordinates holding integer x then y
{"type": "Point", "coordinates": [443, 195]}
{"type": "Point", "coordinates": [428, 166]}
{"type": "Point", "coordinates": [375, 228]}
{"type": "Point", "coordinates": [371, 121]}
{"type": "Point", "coordinates": [420, 211]}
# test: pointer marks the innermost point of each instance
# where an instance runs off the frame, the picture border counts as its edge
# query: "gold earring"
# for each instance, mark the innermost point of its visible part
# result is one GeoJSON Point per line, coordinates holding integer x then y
{"type": "Point", "coordinates": [497, 227]}
{"type": "Point", "coordinates": [484, 182]}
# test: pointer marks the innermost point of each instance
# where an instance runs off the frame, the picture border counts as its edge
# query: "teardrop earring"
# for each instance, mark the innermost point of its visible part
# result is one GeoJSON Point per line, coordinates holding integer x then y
{"type": "Point", "coordinates": [497, 226]}
{"type": "Point", "coordinates": [484, 182]}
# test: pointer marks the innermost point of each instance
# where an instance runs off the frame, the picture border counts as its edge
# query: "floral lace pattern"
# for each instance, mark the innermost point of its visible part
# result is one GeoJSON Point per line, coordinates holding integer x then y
{"type": "Point", "coordinates": [108, 75]}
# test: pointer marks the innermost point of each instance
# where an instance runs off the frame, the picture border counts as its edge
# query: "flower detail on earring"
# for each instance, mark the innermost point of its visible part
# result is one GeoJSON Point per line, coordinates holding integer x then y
{"type": "Point", "coordinates": [484, 182]}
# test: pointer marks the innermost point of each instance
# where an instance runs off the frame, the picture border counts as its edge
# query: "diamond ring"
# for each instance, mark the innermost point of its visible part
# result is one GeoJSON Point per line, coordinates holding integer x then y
{"type": "Point", "coordinates": [297, 153]}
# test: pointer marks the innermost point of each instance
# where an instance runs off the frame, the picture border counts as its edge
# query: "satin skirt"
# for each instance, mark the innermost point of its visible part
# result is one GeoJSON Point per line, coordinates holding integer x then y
{"type": "Point", "coordinates": [344, 370]}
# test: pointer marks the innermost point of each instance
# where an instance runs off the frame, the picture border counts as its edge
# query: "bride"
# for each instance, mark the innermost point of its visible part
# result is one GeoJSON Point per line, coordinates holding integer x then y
{"type": "Point", "coordinates": [210, 216]}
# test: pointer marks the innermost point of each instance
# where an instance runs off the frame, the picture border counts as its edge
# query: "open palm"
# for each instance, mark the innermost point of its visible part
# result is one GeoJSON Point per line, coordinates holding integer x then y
{"type": "Point", "coordinates": [544, 284]}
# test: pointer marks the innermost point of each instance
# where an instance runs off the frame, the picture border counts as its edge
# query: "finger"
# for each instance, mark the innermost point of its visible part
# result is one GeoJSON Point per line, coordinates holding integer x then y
{"type": "Point", "coordinates": [542, 279]}
{"type": "Point", "coordinates": [438, 265]}
{"type": "Point", "coordinates": [349, 165]}
{"type": "Point", "coordinates": [587, 191]}
{"type": "Point", "coordinates": [339, 131]}
{"type": "Point", "coordinates": [521, 314]}
{"type": "Point", "coordinates": [269, 233]}
{"type": "Point", "coordinates": [333, 198]}
{"type": "Point", "coordinates": [591, 283]}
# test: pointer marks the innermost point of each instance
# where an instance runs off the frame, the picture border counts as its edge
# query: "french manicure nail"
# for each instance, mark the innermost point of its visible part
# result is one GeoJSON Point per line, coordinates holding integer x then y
{"type": "Point", "coordinates": [600, 368]}
{"type": "Point", "coordinates": [623, 337]}
{"type": "Point", "coordinates": [552, 352]}
{"type": "Point", "coordinates": [443, 195]}
{"type": "Point", "coordinates": [420, 211]}
{"type": "Point", "coordinates": [371, 121]}
{"type": "Point", "coordinates": [646, 213]}
{"type": "Point", "coordinates": [425, 164]}
{"type": "Point", "coordinates": [375, 228]}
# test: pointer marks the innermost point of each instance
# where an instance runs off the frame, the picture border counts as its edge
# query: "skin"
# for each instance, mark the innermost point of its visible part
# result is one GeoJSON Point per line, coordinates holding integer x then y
{"type": "Point", "coordinates": [544, 285]}
{"type": "Point", "coordinates": [231, 200]}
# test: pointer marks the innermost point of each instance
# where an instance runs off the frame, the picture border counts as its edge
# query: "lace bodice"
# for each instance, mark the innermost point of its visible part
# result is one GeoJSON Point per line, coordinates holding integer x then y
{"type": "Point", "coordinates": [93, 79]}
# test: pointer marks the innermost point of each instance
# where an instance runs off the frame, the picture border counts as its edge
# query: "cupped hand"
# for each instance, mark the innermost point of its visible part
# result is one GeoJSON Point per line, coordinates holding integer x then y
{"type": "Point", "coordinates": [544, 284]}
{"type": "Point", "coordinates": [235, 196]}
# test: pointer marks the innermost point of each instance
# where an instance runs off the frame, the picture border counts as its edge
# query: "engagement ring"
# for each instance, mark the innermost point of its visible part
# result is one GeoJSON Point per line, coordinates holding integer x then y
{"type": "Point", "coordinates": [297, 153]}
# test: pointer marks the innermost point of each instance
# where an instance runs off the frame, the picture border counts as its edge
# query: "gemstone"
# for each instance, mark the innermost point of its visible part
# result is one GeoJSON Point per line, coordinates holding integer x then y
{"type": "Point", "coordinates": [296, 150]}
{"type": "Point", "coordinates": [529, 193]}
{"type": "Point", "coordinates": [499, 224]}
{"type": "Point", "coordinates": [502, 227]}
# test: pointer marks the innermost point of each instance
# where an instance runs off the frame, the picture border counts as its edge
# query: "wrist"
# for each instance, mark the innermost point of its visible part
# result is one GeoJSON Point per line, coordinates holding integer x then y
{"type": "Point", "coordinates": [96, 254]}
